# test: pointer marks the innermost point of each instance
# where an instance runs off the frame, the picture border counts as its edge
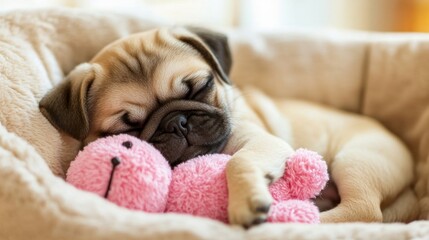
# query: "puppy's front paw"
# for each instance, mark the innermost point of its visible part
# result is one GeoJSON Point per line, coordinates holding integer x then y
{"type": "Point", "coordinates": [250, 207]}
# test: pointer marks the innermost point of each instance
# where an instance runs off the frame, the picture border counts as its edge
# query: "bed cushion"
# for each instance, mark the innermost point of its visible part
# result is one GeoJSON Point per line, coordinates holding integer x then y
{"type": "Point", "coordinates": [352, 71]}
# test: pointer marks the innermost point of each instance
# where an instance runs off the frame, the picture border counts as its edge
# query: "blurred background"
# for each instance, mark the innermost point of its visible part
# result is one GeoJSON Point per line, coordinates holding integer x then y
{"type": "Point", "coordinates": [264, 15]}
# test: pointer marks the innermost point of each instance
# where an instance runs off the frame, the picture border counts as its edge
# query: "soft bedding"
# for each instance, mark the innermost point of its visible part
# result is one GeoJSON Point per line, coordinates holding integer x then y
{"type": "Point", "coordinates": [385, 76]}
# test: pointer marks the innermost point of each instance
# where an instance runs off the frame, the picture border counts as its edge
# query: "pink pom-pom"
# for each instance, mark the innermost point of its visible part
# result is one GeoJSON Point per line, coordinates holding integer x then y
{"type": "Point", "coordinates": [294, 211]}
{"type": "Point", "coordinates": [199, 187]}
{"type": "Point", "coordinates": [140, 181]}
{"type": "Point", "coordinates": [305, 176]}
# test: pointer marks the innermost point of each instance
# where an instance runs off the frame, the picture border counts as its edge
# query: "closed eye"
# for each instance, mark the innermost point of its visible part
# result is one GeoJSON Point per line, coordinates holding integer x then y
{"type": "Point", "coordinates": [127, 120]}
{"type": "Point", "coordinates": [128, 126]}
{"type": "Point", "coordinates": [135, 126]}
{"type": "Point", "coordinates": [203, 90]}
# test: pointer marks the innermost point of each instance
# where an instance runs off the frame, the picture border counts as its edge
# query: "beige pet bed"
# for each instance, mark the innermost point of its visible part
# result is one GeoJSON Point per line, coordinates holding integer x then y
{"type": "Point", "coordinates": [380, 75]}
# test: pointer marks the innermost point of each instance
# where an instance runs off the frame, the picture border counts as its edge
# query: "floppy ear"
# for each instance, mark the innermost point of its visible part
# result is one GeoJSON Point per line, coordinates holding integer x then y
{"type": "Point", "coordinates": [213, 47]}
{"type": "Point", "coordinates": [65, 106]}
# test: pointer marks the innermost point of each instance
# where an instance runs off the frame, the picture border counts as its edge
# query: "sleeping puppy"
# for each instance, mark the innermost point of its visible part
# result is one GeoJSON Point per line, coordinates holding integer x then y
{"type": "Point", "coordinates": [171, 87]}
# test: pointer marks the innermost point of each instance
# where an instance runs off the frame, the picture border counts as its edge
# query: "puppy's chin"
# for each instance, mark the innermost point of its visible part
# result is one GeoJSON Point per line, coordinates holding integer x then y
{"type": "Point", "coordinates": [184, 129]}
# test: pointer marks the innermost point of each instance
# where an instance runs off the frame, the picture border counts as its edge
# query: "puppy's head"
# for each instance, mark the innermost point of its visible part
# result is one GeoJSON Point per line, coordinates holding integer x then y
{"type": "Point", "coordinates": [167, 86]}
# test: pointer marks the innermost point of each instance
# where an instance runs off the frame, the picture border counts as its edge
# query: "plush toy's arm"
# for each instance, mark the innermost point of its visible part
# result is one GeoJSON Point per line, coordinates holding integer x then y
{"type": "Point", "coordinates": [305, 176]}
{"type": "Point", "coordinates": [294, 211]}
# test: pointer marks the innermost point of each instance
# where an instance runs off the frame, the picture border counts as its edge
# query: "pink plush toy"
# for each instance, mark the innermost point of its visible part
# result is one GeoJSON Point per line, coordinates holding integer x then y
{"type": "Point", "coordinates": [133, 174]}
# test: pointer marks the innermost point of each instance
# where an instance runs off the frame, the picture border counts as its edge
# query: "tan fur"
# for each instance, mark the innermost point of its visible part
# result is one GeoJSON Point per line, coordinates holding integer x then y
{"type": "Point", "coordinates": [370, 166]}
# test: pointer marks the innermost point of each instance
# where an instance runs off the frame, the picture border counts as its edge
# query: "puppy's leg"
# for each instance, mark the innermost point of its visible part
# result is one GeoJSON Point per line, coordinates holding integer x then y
{"type": "Point", "coordinates": [369, 169]}
{"type": "Point", "coordinates": [259, 161]}
{"type": "Point", "coordinates": [424, 208]}
{"type": "Point", "coordinates": [404, 209]}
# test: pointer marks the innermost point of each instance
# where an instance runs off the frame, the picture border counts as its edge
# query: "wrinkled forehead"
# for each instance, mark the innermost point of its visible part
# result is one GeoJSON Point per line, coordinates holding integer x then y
{"type": "Point", "coordinates": [147, 64]}
{"type": "Point", "coordinates": [141, 55]}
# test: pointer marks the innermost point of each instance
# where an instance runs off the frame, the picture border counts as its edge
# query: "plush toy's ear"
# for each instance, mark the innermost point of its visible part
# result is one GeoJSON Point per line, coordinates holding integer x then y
{"type": "Point", "coordinates": [213, 46]}
{"type": "Point", "coordinates": [65, 106]}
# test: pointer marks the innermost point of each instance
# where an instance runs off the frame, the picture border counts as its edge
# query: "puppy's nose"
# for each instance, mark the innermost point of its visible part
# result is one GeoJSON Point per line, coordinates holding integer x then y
{"type": "Point", "coordinates": [177, 124]}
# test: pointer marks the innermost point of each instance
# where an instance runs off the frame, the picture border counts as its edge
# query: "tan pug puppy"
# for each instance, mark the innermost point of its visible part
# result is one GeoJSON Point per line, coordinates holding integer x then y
{"type": "Point", "coordinates": [170, 87]}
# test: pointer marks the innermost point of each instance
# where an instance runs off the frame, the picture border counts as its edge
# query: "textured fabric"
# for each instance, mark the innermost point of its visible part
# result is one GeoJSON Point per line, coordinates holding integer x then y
{"type": "Point", "coordinates": [294, 211]}
{"type": "Point", "coordinates": [199, 187]}
{"type": "Point", "coordinates": [305, 176]}
{"type": "Point", "coordinates": [139, 180]}
{"type": "Point", "coordinates": [324, 67]}
{"type": "Point", "coordinates": [36, 50]}
{"type": "Point", "coordinates": [381, 75]}
{"type": "Point", "coordinates": [397, 94]}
